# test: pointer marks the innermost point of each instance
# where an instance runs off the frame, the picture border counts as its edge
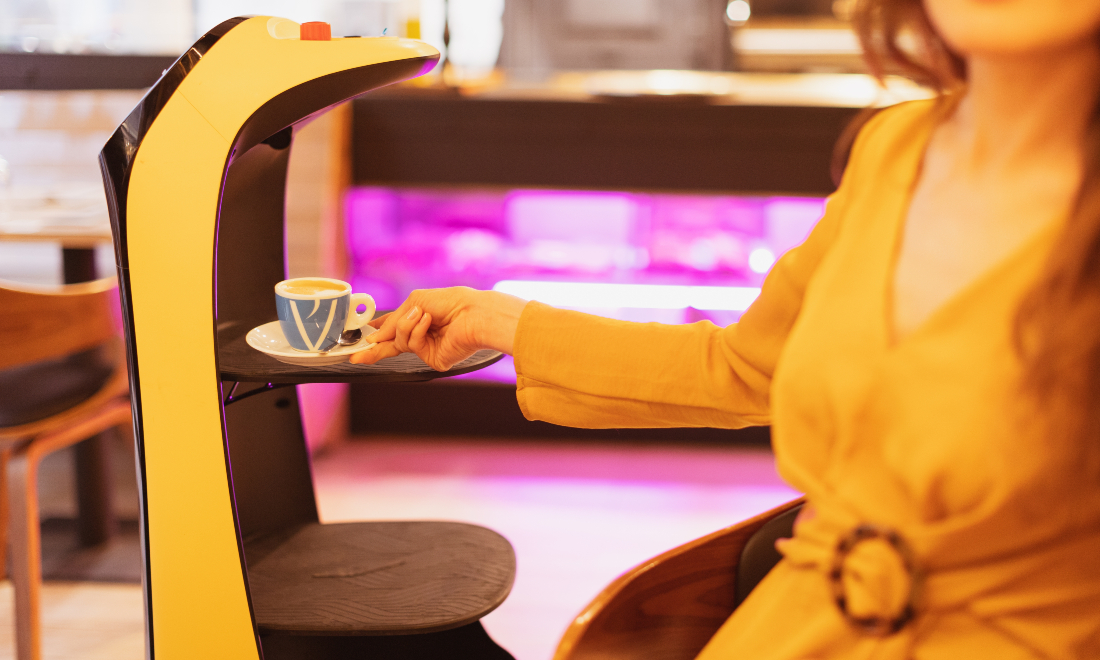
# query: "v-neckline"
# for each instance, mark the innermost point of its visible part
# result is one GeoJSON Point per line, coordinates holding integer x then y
{"type": "Point", "coordinates": [888, 314]}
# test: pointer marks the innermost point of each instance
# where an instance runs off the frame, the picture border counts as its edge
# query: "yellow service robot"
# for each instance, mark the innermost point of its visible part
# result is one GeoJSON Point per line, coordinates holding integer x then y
{"type": "Point", "coordinates": [237, 564]}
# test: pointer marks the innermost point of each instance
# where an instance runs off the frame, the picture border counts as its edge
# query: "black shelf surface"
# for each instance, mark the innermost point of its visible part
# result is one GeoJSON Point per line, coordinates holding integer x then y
{"type": "Point", "coordinates": [241, 363]}
{"type": "Point", "coordinates": [647, 144]}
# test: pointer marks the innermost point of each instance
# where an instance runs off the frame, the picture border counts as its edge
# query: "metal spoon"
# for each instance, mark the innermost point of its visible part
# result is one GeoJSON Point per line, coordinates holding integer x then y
{"type": "Point", "coordinates": [350, 337]}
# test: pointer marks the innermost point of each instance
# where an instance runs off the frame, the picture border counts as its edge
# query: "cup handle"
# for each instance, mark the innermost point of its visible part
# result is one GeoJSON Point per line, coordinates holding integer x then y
{"type": "Point", "coordinates": [355, 319]}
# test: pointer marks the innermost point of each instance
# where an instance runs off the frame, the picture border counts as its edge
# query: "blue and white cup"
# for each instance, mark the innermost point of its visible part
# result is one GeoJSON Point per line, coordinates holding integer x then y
{"type": "Point", "coordinates": [315, 311]}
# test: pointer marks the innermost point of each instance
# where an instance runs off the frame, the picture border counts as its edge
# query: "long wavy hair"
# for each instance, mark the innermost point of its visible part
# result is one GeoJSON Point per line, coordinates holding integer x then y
{"type": "Point", "coordinates": [1057, 331]}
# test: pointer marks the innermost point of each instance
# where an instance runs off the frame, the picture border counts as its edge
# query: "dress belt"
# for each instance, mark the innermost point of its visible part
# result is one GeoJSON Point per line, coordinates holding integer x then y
{"type": "Point", "coordinates": [881, 573]}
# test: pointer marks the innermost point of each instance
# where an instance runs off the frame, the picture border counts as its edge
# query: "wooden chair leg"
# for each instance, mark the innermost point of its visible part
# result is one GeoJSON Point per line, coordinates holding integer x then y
{"type": "Point", "coordinates": [26, 554]}
{"type": "Point", "coordinates": [96, 522]}
{"type": "Point", "coordinates": [5, 456]}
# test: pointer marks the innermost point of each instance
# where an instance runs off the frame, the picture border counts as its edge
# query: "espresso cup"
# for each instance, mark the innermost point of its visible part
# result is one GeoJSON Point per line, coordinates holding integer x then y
{"type": "Point", "coordinates": [315, 311]}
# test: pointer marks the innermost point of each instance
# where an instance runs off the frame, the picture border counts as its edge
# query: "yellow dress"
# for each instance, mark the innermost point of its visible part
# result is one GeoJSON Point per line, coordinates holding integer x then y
{"type": "Point", "coordinates": [928, 436]}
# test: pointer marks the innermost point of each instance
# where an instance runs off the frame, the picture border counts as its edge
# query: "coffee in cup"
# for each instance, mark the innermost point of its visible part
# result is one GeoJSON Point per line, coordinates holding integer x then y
{"type": "Point", "coordinates": [315, 311]}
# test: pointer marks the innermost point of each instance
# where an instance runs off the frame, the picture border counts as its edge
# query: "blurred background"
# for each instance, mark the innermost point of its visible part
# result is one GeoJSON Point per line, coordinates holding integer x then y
{"type": "Point", "coordinates": [647, 160]}
{"type": "Point", "coordinates": [555, 34]}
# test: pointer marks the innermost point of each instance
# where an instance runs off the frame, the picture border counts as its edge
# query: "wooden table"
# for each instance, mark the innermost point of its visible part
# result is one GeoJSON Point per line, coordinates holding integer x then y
{"type": "Point", "coordinates": [77, 250]}
{"type": "Point", "coordinates": [96, 521]}
{"type": "Point", "coordinates": [74, 215]}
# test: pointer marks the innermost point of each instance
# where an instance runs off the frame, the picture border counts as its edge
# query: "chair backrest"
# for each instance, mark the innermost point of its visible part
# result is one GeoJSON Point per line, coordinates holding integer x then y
{"type": "Point", "coordinates": [667, 607]}
{"type": "Point", "coordinates": [43, 322]}
{"type": "Point", "coordinates": [760, 555]}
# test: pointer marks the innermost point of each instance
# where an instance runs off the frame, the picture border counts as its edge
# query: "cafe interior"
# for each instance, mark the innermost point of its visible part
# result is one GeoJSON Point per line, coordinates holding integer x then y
{"type": "Point", "coordinates": [645, 160]}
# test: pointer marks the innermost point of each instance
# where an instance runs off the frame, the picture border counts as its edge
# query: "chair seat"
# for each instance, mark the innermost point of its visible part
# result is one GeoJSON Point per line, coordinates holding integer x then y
{"type": "Point", "coordinates": [42, 389]}
{"type": "Point", "coordinates": [378, 578]}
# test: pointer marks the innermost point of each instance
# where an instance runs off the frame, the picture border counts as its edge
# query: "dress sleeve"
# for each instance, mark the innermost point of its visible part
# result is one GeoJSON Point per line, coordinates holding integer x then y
{"type": "Point", "coordinates": [575, 369]}
{"type": "Point", "coordinates": [586, 371]}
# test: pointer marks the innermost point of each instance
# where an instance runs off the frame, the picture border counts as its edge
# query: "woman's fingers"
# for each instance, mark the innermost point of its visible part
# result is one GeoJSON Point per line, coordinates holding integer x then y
{"type": "Point", "coordinates": [379, 348]}
{"type": "Point", "coordinates": [418, 337]}
{"type": "Point", "coordinates": [375, 353]}
{"type": "Point", "coordinates": [377, 321]}
{"type": "Point", "coordinates": [424, 346]}
{"type": "Point", "coordinates": [431, 348]}
{"type": "Point", "coordinates": [386, 329]}
{"type": "Point", "coordinates": [412, 336]}
{"type": "Point", "coordinates": [404, 327]}
{"type": "Point", "coordinates": [392, 338]}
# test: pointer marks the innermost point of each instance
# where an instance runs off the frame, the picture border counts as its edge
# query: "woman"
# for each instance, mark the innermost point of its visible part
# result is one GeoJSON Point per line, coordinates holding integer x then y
{"type": "Point", "coordinates": [929, 359]}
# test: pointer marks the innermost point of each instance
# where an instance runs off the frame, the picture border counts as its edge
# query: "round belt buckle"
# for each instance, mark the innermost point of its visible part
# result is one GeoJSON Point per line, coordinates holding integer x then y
{"type": "Point", "coordinates": [879, 626]}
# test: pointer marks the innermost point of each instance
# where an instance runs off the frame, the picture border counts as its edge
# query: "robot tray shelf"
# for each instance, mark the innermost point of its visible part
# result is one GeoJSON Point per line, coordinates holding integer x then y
{"type": "Point", "coordinates": [241, 363]}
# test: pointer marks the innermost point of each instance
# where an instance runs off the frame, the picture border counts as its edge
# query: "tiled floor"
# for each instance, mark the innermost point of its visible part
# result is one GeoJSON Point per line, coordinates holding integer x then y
{"type": "Point", "coordinates": [578, 515]}
{"type": "Point", "coordinates": [82, 621]}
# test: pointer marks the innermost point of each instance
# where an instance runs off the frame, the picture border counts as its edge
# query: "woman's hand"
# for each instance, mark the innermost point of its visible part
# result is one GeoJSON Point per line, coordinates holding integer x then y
{"type": "Point", "coordinates": [444, 326]}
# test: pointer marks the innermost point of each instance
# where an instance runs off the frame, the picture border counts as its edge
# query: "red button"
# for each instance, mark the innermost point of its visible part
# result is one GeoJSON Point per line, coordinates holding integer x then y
{"type": "Point", "coordinates": [316, 31]}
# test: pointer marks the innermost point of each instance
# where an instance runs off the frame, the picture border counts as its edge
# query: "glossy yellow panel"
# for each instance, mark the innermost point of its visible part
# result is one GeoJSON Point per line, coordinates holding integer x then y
{"type": "Point", "coordinates": [199, 605]}
{"type": "Point", "coordinates": [252, 67]}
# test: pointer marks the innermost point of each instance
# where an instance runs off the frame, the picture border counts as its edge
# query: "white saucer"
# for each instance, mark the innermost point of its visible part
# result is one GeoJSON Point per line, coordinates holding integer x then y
{"type": "Point", "coordinates": [268, 338]}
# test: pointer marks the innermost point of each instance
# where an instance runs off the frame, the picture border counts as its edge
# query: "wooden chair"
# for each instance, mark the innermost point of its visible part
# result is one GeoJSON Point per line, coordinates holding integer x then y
{"type": "Point", "coordinates": [669, 607]}
{"type": "Point", "coordinates": [64, 380]}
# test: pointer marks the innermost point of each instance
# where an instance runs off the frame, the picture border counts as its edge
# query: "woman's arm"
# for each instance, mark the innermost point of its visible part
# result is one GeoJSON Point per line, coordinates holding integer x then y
{"type": "Point", "coordinates": [586, 371]}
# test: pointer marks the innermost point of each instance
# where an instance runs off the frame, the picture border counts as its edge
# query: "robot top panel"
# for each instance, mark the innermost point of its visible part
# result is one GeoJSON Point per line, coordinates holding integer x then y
{"type": "Point", "coordinates": [261, 59]}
